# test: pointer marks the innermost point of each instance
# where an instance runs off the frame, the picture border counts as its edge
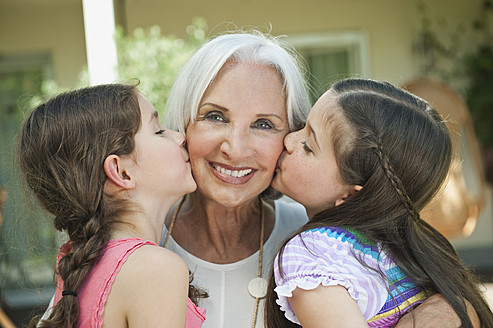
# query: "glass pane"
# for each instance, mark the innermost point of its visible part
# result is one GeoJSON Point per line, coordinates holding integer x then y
{"type": "Point", "coordinates": [326, 67]}
{"type": "Point", "coordinates": [27, 239]}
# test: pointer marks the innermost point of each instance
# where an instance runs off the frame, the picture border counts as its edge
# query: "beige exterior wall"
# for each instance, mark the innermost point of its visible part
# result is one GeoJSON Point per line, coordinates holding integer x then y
{"type": "Point", "coordinates": [56, 26]}
{"type": "Point", "coordinates": [391, 25]}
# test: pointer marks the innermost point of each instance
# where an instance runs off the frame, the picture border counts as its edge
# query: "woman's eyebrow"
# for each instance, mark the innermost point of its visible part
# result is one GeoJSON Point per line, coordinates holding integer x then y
{"type": "Point", "coordinates": [215, 105]}
{"type": "Point", "coordinates": [269, 115]}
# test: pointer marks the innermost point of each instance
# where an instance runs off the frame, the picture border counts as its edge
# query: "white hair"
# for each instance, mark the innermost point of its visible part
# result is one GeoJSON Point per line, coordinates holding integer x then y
{"type": "Point", "coordinates": [253, 47]}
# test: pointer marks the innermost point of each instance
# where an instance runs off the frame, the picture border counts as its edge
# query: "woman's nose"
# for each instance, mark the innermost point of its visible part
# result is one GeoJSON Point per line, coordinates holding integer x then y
{"type": "Point", "coordinates": [237, 145]}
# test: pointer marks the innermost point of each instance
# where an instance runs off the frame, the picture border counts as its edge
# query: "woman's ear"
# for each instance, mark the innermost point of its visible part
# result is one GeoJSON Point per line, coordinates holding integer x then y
{"type": "Point", "coordinates": [115, 171]}
{"type": "Point", "coordinates": [352, 191]}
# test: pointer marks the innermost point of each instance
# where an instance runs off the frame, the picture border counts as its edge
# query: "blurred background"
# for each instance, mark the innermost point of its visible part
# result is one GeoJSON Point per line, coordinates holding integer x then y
{"type": "Point", "coordinates": [441, 50]}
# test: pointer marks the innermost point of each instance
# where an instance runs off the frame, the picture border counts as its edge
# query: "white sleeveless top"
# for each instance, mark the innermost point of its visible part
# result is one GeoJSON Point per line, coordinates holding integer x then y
{"type": "Point", "coordinates": [229, 304]}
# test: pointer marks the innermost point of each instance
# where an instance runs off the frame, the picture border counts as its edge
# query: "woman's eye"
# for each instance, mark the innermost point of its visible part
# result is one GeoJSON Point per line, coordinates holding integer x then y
{"type": "Point", "coordinates": [160, 131]}
{"type": "Point", "coordinates": [305, 147]}
{"type": "Point", "coordinates": [263, 124]}
{"type": "Point", "coordinates": [215, 116]}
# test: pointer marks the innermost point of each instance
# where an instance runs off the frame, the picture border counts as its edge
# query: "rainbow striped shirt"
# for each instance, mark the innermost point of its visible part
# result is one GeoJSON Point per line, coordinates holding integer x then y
{"type": "Point", "coordinates": [334, 256]}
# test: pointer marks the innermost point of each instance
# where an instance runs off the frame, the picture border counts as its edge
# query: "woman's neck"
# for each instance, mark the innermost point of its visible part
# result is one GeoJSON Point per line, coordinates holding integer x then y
{"type": "Point", "coordinates": [220, 234]}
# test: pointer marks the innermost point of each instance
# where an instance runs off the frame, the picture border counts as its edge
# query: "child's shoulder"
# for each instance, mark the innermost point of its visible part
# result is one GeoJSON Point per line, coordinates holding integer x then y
{"type": "Point", "coordinates": [153, 268]}
{"type": "Point", "coordinates": [145, 254]}
{"type": "Point", "coordinates": [156, 258]}
{"type": "Point", "coordinates": [343, 233]}
{"type": "Point", "coordinates": [146, 261]}
{"type": "Point", "coordinates": [328, 237]}
{"type": "Point", "coordinates": [151, 276]}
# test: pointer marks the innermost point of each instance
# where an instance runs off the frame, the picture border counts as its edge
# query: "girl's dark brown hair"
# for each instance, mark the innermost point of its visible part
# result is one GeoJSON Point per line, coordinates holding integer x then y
{"type": "Point", "coordinates": [398, 148]}
{"type": "Point", "coordinates": [62, 147]}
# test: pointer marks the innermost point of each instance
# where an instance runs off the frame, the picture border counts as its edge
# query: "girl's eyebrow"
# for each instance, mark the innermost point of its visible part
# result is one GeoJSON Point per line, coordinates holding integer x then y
{"type": "Point", "coordinates": [314, 134]}
{"type": "Point", "coordinates": [154, 116]}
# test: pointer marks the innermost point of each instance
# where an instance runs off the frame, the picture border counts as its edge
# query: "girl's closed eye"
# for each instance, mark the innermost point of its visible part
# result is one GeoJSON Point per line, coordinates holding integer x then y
{"type": "Point", "coordinates": [160, 131]}
{"type": "Point", "coordinates": [305, 147]}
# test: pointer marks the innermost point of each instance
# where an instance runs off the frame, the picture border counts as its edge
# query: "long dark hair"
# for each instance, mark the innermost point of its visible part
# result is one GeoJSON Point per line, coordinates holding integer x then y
{"type": "Point", "coordinates": [398, 148]}
{"type": "Point", "coordinates": [62, 147]}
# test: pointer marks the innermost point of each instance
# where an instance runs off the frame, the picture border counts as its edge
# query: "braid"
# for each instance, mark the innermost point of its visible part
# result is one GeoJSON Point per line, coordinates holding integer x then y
{"type": "Point", "coordinates": [403, 140]}
{"type": "Point", "coordinates": [62, 148]}
{"type": "Point", "coordinates": [394, 179]}
{"type": "Point", "coordinates": [74, 267]}
{"type": "Point", "coordinates": [84, 253]}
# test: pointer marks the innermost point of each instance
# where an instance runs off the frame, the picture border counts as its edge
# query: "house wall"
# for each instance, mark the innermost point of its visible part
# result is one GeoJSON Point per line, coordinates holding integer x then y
{"type": "Point", "coordinates": [56, 26]}
{"type": "Point", "coordinates": [392, 26]}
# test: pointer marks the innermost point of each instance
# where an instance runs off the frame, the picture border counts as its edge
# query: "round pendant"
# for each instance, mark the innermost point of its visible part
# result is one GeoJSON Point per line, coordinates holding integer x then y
{"type": "Point", "coordinates": [257, 287]}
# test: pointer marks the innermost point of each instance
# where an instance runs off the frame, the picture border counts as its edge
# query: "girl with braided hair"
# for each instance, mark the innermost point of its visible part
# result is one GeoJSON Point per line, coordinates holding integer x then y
{"type": "Point", "coordinates": [98, 160]}
{"type": "Point", "coordinates": [370, 157]}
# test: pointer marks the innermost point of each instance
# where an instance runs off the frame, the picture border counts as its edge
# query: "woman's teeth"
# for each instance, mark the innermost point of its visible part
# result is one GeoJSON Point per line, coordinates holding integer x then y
{"type": "Point", "coordinates": [236, 174]}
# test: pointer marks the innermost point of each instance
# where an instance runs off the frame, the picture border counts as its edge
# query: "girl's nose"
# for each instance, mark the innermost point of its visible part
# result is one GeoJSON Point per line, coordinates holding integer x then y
{"type": "Point", "coordinates": [290, 140]}
{"type": "Point", "coordinates": [178, 137]}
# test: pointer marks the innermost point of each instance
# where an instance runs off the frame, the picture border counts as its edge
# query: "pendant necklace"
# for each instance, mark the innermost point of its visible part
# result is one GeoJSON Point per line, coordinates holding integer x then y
{"type": "Point", "coordinates": [257, 287]}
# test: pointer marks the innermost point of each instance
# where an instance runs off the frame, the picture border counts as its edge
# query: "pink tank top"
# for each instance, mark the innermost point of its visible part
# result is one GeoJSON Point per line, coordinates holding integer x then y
{"type": "Point", "coordinates": [94, 292]}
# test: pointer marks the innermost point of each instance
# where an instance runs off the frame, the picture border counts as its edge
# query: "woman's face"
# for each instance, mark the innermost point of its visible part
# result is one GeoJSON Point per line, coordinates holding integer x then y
{"type": "Point", "coordinates": [238, 133]}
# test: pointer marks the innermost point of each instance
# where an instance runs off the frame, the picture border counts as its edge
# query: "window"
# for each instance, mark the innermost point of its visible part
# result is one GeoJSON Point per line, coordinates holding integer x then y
{"type": "Point", "coordinates": [27, 237]}
{"type": "Point", "coordinates": [332, 56]}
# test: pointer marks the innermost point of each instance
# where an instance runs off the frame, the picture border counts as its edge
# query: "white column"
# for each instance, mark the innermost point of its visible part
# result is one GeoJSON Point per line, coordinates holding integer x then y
{"type": "Point", "coordinates": [99, 26]}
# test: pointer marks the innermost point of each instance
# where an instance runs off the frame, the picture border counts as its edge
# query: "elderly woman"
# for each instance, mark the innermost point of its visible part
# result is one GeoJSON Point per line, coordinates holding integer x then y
{"type": "Point", "coordinates": [236, 99]}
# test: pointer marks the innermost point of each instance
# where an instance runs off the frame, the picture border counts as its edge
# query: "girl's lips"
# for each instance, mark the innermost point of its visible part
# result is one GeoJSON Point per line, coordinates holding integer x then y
{"type": "Point", "coordinates": [185, 155]}
{"type": "Point", "coordinates": [232, 175]}
{"type": "Point", "coordinates": [279, 162]}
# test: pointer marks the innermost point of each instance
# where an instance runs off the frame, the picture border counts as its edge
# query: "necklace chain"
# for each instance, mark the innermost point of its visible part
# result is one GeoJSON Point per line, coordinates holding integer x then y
{"type": "Point", "coordinates": [173, 219]}
{"type": "Point", "coordinates": [261, 247]}
{"type": "Point", "coordinates": [260, 256]}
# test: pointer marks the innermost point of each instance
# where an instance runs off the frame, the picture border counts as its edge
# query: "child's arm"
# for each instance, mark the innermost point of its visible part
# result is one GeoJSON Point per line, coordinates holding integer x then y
{"type": "Point", "coordinates": [436, 312]}
{"type": "Point", "coordinates": [329, 306]}
{"type": "Point", "coordinates": [321, 265]}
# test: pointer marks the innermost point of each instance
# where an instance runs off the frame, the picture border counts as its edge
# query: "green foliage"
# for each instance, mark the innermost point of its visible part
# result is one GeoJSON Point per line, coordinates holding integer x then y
{"type": "Point", "coordinates": [480, 93]}
{"type": "Point", "coordinates": [439, 55]}
{"type": "Point", "coordinates": [467, 69]}
{"type": "Point", "coordinates": [49, 87]}
{"type": "Point", "coordinates": [155, 59]}
{"type": "Point", "coordinates": [144, 56]}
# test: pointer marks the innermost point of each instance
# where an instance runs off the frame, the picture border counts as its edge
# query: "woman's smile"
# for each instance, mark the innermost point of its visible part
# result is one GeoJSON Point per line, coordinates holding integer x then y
{"type": "Point", "coordinates": [234, 175]}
